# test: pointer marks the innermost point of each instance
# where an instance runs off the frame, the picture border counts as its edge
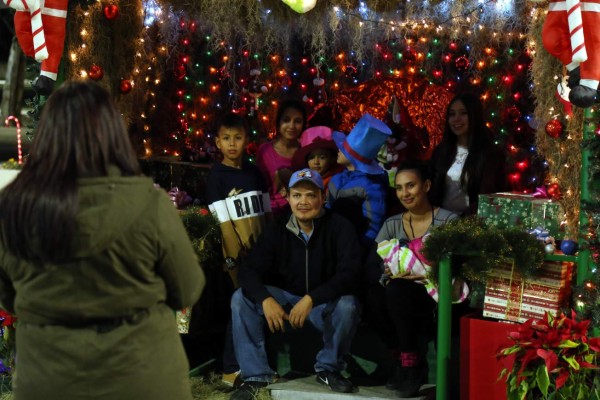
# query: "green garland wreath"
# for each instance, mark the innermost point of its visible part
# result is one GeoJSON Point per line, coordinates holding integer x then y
{"type": "Point", "coordinates": [478, 248]}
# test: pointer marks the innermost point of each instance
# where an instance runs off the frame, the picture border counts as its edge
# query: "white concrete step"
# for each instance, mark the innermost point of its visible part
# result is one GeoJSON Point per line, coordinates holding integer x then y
{"type": "Point", "coordinates": [309, 389]}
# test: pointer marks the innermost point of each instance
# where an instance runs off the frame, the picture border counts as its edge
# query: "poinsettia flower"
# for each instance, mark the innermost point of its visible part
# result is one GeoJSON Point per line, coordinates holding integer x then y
{"type": "Point", "coordinates": [594, 344]}
{"type": "Point", "coordinates": [562, 343]}
{"type": "Point", "coordinates": [562, 379]}
{"type": "Point", "coordinates": [549, 357]}
{"type": "Point", "coordinates": [529, 355]}
{"type": "Point", "coordinates": [7, 319]}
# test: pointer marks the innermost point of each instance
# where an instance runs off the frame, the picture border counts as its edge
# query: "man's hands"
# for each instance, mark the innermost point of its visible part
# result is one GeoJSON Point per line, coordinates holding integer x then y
{"type": "Point", "coordinates": [276, 316]}
{"type": "Point", "coordinates": [300, 312]}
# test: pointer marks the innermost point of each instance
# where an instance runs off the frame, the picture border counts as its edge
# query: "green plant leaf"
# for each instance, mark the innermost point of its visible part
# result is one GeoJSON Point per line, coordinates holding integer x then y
{"type": "Point", "coordinates": [542, 379]}
{"type": "Point", "coordinates": [568, 344]}
{"type": "Point", "coordinates": [582, 392]}
{"type": "Point", "coordinates": [502, 374]}
{"type": "Point", "coordinates": [572, 362]}
{"type": "Point", "coordinates": [511, 350]}
{"type": "Point", "coordinates": [523, 389]}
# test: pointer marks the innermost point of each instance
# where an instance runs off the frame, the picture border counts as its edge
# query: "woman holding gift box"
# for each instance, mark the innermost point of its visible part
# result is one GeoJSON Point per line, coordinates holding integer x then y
{"type": "Point", "coordinates": [408, 298]}
{"type": "Point", "coordinates": [465, 163]}
{"type": "Point", "coordinates": [93, 261]}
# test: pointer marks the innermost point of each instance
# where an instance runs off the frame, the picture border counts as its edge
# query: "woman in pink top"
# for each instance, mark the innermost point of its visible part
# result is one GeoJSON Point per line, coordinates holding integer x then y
{"type": "Point", "coordinates": [274, 158]}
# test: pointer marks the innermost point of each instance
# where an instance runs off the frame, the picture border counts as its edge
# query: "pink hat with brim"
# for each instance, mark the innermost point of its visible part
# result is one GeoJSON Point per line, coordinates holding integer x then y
{"type": "Point", "coordinates": [316, 137]}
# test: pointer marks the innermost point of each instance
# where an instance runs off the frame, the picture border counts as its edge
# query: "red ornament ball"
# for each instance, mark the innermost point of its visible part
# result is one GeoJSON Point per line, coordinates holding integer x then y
{"type": "Point", "coordinates": [350, 71]}
{"type": "Point", "coordinates": [597, 132]}
{"type": "Point", "coordinates": [125, 86]}
{"type": "Point", "coordinates": [96, 72]}
{"type": "Point", "coordinates": [111, 11]}
{"type": "Point", "coordinates": [513, 114]}
{"type": "Point", "coordinates": [462, 63]}
{"type": "Point", "coordinates": [554, 191]}
{"type": "Point", "coordinates": [252, 148]}
{"type": "Point", "coordinates": [554, 128]}
{"type": "Point", "coordinates": [180, 71]}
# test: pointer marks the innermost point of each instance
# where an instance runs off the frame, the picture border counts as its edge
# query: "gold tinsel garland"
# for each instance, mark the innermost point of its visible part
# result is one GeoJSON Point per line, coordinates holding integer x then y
{"type": "Point", "coordinates": [116, 46]}
{"type": "Point", "coordinates": [269, 26]}
{"type": "Point", "coordinates": [563, 154]}
{"type": "Point", "coordinates": [121, 46]}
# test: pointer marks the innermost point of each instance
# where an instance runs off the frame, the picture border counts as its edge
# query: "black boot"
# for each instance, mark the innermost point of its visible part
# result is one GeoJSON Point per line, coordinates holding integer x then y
{"type": "Point", "coordinates": [583, 96]}
{"type": "Point", "coordinates": [43, 85]}
{"type": "Point", "coordinates": [396, 380]}
{"type": "Point", "coordinates": [413, 379]}
{"type": "Point", "coordinates": [573, 78]}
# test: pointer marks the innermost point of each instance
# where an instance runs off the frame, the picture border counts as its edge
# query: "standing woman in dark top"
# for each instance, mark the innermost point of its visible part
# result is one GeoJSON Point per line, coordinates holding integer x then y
{"type": "Point", "coordinates": [465, 163]}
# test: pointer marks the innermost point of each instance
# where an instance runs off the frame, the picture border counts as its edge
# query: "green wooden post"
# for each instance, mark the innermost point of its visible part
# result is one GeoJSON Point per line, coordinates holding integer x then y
{"type": "Point", "coordinates": [444, 327]}
{"type": "Point", "coordinates": [584, 256]}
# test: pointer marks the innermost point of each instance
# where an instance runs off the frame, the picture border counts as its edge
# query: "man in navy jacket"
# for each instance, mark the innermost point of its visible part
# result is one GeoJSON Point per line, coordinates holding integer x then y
{"type": "Point", "coordinates": [303, 268]}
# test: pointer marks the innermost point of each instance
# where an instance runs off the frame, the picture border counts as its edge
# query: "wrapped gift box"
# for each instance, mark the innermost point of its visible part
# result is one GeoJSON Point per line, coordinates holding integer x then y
{"type": "Point", "coordinates": [512, 297]}
{"type": "Point", "coordinates": [480, 340]}
{"type": "Point", "coordinates": [506, 210]}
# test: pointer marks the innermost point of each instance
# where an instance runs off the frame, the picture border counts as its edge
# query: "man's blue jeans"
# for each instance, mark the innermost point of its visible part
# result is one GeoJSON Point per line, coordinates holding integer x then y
{"type": "Point", "coordinates": [337, 320]}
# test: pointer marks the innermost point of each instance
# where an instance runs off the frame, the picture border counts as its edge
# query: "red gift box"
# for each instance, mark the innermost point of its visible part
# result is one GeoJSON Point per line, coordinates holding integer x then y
{"type": "Point", "coordinates": [510, 296]}
{"type": "Point", "coordinates": [480, 340]}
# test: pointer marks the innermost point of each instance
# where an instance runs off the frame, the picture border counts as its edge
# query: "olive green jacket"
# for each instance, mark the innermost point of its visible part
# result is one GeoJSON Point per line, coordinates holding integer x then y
{"type": "Point", "coordinates": [132, 259]}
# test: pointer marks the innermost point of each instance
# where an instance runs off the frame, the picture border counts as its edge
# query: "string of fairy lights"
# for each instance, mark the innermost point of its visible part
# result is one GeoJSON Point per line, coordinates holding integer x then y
{"type": "Point", "coordinates": [184, 72]}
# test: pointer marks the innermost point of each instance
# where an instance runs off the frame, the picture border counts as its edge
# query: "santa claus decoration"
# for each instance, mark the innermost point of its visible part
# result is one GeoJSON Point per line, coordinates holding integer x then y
{"type": "Point", "coordinates": [570, 33]}
{"type": "Point", "coordinates": [40, 27]}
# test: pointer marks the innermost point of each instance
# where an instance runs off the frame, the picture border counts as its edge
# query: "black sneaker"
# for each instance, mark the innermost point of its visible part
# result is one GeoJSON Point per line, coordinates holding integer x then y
{"type": "Point", "coordinates": [335, 381]}
{"type": "Point", "coordinates": [248, 390]}
{"type": "Point", "coordinates": [397, 379]}
{"type": "Point", "coordinates": [413, 379]}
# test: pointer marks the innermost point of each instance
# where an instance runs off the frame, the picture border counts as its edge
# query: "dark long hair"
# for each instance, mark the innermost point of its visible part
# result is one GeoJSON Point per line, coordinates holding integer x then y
{"type": "Point", "coordinates": [80, 134]}
{"type": "Point", "coordinates": [479, 146]}
{"type": "Point", "coordinates": [290, 103]}
{"type": "Point", "coordinates": [421, 168]}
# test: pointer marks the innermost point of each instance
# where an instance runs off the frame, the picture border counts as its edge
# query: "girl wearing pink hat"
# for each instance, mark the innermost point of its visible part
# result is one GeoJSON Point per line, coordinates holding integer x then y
{"type": "Point", "coordinates": [317, 152]}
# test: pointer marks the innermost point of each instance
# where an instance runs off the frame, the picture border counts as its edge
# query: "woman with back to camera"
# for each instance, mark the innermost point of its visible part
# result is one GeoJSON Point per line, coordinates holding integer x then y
{"type": "Point", "coordinates": [465, 163]}
{"type": "Point", "coordinates": [93, 261]}
{"type": "Point", "coordinates": [274, 158]}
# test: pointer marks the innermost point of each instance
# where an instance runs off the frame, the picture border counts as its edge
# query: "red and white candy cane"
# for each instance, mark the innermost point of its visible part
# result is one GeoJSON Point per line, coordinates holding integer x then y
{"type": "Point", "coordinates": [18, 124]}
{"type": "Point", "coordinates": [34, 8]}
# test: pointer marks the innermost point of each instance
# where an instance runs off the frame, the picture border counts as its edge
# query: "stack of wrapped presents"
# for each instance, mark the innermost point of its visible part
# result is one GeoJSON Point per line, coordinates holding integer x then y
{"type": "Point", "coordinates": [511, 298]}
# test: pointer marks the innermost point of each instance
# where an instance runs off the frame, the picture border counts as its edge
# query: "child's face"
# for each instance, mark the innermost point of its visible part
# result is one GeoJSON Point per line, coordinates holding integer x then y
{"type": "Point", "coordinates": [342, 159]}
{"type": "Point", "coordinates": [232, 143]}
{"type": "Point", "coordinates": [320, 160]}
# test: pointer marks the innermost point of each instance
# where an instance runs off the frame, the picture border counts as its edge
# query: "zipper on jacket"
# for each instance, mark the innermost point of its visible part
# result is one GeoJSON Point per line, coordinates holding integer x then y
{"type": "Point", "coordinates": [306, 265]}
{"type": "Point", "coordinates": [301, 238]}
{"type": "Point", "coordinates": [305, 261]}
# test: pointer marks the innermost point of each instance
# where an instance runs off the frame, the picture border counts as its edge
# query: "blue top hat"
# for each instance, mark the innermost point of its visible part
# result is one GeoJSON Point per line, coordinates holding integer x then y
{"type": "Point", "coordinates": [363, 143]}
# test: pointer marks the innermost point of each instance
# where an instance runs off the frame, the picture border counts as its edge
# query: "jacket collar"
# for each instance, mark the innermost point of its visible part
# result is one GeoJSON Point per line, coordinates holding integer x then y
{"type": "Point", "coordinates": [293, 226]}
